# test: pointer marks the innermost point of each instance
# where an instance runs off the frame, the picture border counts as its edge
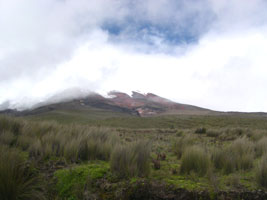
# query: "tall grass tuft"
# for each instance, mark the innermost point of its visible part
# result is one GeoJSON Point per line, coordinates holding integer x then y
{"type": "Point", "coordinates": [261, 147]}
{"type": "Point", "coordinates": [16, 180]}
{"type": "Point", "coordinates": [75, 143]}
{"type": "Point", "coordinates": [9, 124]}
{"type": "Point", "coordinates": [7, 138]}
{"type": "Point", "coordinates": [131, 160]}
{"type": "Point", "coordinates": [218, 157]}
{"type": "Point", "coordinates": [261, 172]}
{"type": "Point", "coordinates": [182, 143]}
{"type": "Point", "coordinates": [242, 152]}
{"type": "Point", "coordinates": [239, 155]}
{"type": "Point", "coordinates": [196, 160]}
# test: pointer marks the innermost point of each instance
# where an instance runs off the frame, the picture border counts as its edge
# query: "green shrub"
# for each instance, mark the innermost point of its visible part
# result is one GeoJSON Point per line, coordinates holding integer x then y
{"type": "Point", "coordinates": [71, 183]}
{"type": "Point", "coordinates": [195, 160]}
{"type": "Point", "coordinates": [261, 172]}
{"type": "Point", "coordinates": [131, 160]}
{"type": "Point", "coordinates": [16, 180]}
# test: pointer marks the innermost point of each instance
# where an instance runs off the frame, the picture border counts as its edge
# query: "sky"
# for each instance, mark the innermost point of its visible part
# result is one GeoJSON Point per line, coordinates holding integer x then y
{"type": "Point", "coordinates": [209, 53]}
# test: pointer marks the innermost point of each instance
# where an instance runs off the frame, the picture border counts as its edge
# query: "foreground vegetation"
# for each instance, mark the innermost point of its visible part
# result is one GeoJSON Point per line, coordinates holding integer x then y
{"type": "Point", "coordinates": [51, 160]}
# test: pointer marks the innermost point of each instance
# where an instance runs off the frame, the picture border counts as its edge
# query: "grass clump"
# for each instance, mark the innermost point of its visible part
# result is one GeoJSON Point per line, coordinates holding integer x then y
{"type": "Point", "coordinates": [239, 155]}
{"type": "Point", "coordinates": [17, 181]}
{"type": "Point", "coordinates": [261, 147]}
{"type": "Point", "coordinates": [213, 133]}
{"type": "Point", "coordinates": [201, 130]}
{"type": "Point", "coordinates": [44, 140]}
{"type": "Point", "coordinates": [7, 138]}
{"type": "Point", "coordinates": [181, 144]}
{"type": "Point", "coordinates": [9, 124]}
{"type": "Point", "coordinates": [131, 160]}
{"type": "Point", "coordinates": [218, 158]}
{"type": "Point", "coordinates": [242, 153]}
{"type": "Point", "coordinates": [195, 160]}
{"type": "Point", "coordinates": [261, 172]}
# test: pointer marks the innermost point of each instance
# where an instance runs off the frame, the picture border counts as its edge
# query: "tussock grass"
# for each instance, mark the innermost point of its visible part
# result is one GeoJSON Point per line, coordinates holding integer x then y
{"type": "Point", "coordinates": [261, 147]}
{"type": "Point", "coordinates": [239, 155]}
{"type": "Point", "coordinates": [196, 160]}
{"type": "Point", "coordinates": [182, 143]}
{"type": "Point", "coordinates": [219, 151]}
{"type": "Point", "coordinates": [218, 157]}
{"type": "Point", "coordinates": [261, 172]}
{"type": "Point", "coordinates": [16, 180]}
{"type": "Point", "coordinates": [242, 151]}
{"type": "Point", "coordinates": [201, 130]}
{"type": "Point", "coordinates": [131, 160]}
{"type": "Point", "coordinates": [9, 124]}
{"type": "Point", "coordinates": [46, 139]}
{"type": "Point", "coordinates": [7, 138]}
{"type": "Point", "coordinates": [213, 133]}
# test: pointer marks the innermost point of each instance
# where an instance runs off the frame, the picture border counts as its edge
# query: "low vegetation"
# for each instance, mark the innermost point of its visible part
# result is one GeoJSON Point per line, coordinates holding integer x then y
{"type": "Point", "coordinates": [50, 160]}
{"type": "Point", "coordinates": [72, 183]}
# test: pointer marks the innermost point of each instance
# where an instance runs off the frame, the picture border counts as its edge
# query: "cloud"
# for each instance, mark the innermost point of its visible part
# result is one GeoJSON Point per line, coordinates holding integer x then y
{"type": "Point", "coordinates": [208, 53]}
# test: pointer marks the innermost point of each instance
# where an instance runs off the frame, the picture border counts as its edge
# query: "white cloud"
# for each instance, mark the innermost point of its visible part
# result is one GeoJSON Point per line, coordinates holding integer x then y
{"type": "Point", "coordinates": [51, 46]}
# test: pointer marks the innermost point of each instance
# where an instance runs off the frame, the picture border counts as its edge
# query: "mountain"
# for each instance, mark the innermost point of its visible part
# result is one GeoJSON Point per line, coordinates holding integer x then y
{"type": "Point", "coordinates": [137, 104]}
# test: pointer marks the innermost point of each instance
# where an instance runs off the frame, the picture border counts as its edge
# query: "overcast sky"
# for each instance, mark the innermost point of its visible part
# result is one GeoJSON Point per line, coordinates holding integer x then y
{"type": "Point", "coordinates": [209, 53]}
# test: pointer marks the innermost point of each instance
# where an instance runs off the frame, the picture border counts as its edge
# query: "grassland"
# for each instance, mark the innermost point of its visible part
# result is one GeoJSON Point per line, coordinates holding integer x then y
{"type": "Point", "coordinates": [99, 117]}
{"type": "Point", "coordinates": [202, 157]}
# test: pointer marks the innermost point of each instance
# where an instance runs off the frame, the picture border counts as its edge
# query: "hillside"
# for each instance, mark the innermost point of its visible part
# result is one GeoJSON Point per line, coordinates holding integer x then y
{"type": "Point", "coordinates": [116, 104]}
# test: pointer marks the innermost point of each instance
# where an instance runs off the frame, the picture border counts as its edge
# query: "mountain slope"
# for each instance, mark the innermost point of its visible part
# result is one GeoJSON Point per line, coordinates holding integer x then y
{"type": "Point", "coordinates": [116, 104]}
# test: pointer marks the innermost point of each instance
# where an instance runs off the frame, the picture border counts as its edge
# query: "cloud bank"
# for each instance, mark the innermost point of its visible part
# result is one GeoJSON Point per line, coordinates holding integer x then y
{"type": "Point", "coordinates": [209, 53]}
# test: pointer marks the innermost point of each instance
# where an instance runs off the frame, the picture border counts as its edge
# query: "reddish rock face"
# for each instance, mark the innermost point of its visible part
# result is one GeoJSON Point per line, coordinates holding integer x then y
{"type": "Point", "coordinates": [124, 100]}
{"type": "Point", "coordinates": [144, 104]}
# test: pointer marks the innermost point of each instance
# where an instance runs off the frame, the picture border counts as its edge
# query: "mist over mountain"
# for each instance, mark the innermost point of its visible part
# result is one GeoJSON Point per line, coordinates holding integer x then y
{"type": "Point", "coordinates": [209, 53]}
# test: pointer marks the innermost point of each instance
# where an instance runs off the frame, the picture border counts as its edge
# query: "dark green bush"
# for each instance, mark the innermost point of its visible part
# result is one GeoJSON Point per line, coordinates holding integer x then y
{"type": "Point", "coordinates": [72, 183]}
